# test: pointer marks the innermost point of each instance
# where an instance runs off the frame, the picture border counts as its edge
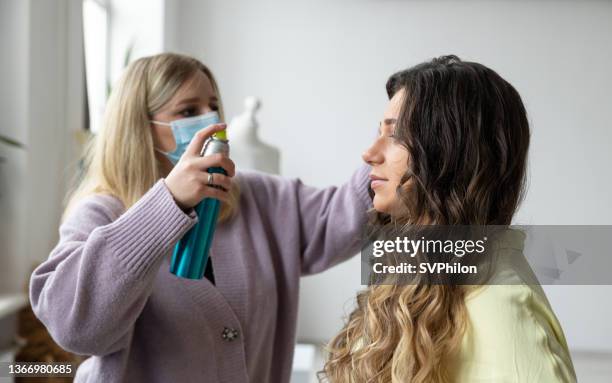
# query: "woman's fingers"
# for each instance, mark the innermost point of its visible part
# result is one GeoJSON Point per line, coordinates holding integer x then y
{"type": "Point", "coordinates": [218, 180]}
{"type": "Point", "coordinates": [188, 181]}
{"type": "Point", "coordinates": [196, 144]}
{"type": "Point", "coordinates": [214, 161]}
{"type": "Point", "coordinates": [216, 194]}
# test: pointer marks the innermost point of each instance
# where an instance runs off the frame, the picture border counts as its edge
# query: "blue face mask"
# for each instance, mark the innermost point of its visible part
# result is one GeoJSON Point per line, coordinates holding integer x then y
{"type": "Point", "coordinates": [183, 131]}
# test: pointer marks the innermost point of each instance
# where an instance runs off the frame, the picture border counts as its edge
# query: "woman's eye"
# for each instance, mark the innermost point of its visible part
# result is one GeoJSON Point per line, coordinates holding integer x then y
{"type": "Point", "coordinates": [188, 112]}
{"type": "Point", "coordinates": [395, 138]}
{"type": "Point", "coordinates": [214, 107]}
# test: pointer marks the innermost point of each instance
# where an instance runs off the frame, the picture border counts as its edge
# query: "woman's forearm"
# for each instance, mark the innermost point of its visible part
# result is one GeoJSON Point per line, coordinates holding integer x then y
{"type": "Point", "coordinates": [96, 281]}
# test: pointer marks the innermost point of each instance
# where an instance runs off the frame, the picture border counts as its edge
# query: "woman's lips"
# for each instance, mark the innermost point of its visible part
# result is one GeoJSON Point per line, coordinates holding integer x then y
{"type": "Point", "coordinates": [376, 181]}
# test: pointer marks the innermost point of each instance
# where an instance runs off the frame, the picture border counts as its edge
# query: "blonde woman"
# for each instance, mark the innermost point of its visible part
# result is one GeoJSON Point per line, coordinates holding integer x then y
{"type": "Point", "coordinates": [106, 290]}
{"type": "Point", "coordinates": [452, 150]}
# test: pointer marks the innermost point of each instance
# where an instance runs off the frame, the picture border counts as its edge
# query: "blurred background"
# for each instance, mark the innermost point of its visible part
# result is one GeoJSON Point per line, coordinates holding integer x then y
{"type": "Point", "coordinates": [319, 69]}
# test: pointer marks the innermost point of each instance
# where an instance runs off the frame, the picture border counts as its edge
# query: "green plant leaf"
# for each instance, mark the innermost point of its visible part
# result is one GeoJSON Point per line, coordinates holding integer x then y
{"type": "Point", "coordinates": [11, 142]}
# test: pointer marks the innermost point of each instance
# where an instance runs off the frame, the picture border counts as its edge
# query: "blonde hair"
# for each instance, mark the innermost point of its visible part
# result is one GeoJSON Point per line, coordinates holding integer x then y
{"type": "Point", "coordinates": [399, 334]}
{"type": "Point", "coordinates": [120, 159]}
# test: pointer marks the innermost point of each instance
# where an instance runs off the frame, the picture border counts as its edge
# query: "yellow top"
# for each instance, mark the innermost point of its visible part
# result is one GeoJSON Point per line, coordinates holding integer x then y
{"type": "Point", "coordinates": [221, 135]}
{"type": "Point", "coordinates": [513, 334]}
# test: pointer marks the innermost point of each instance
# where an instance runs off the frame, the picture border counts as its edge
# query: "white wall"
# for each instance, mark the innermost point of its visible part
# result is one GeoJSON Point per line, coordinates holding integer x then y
{"type": "Point", "coordinates": [320, 68]}
{"type": "Point", "coordinates": [41, 106]}
{"type": "Point", "coordinates": [14, 32]}
{"type": "Point", "coordinates": [135, 23]}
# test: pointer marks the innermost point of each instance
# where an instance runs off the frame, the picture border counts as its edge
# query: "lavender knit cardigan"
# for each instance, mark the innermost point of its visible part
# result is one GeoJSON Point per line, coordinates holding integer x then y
{"type": "Point", "coordinates": [106, 290]}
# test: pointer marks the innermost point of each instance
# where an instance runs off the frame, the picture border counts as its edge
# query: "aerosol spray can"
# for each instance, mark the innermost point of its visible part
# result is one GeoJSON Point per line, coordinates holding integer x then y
{"type": "Point", "coordinates": [190, 254]}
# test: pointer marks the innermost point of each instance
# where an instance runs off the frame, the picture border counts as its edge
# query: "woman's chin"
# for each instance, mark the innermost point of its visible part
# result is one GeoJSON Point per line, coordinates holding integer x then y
{"type": "Point", "coordinates": [382, 205]}
{"type": "Point", "coordinates": [390, 206]}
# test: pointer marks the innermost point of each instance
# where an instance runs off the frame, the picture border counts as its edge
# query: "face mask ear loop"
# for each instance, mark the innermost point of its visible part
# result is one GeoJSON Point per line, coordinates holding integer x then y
{"type": "Point", "coordinates": [160, 123]}
{"type": "Point", "coordinates": [161, 151]}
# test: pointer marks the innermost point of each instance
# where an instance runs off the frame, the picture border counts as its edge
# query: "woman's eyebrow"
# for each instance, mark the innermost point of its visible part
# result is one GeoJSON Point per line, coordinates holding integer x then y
{"type": "Point", "coordinates": [194, 100]}
{"type": "Point", "coordinates": [389, 121]}
{"type": "Point", "coordinates": [190, 100]}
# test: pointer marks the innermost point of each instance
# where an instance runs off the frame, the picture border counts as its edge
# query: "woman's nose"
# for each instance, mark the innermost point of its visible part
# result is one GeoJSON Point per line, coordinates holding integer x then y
{"type": "Point", "coordinates": [372, 156]}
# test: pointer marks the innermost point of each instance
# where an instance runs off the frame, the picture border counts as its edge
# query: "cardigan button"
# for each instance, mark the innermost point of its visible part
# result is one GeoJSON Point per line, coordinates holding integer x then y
{"type": "Point", "coordinates": [229, 334]}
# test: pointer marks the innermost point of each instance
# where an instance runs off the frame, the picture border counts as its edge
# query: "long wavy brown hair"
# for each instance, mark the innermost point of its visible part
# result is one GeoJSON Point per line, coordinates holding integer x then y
{"type": "Point", "coordinates": [467, 135]}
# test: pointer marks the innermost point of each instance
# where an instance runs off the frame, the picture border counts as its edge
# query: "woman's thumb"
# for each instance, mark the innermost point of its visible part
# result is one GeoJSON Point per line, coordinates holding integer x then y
{"type": "Point", "coordinates": [196, 144]}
